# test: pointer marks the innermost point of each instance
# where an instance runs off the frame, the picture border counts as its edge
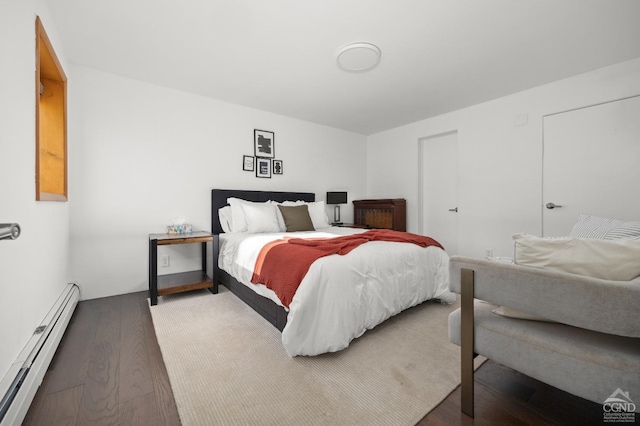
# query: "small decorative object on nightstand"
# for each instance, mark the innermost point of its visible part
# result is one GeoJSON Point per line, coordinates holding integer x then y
{"type": "Point", "coordinates": [183, 281]}
{"type": "Point", "coordinates": [336, 198]}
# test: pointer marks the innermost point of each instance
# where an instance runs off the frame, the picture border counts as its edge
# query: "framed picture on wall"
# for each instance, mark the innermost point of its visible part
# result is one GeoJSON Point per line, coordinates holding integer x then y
{"type": "Point", "coordinates": [263, 167]}
{"type": "Point", "coordinates": [277, 167]}
{"type": "Point", "coordinates": [264, 143]}
{"type": "Point", "coordinates": [247, 163]}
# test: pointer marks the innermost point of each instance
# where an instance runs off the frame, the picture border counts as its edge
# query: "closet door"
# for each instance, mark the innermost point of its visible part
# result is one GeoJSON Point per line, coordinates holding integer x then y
{"type": "Point", "coordinates": [591, 165]}
{"type": "Point", "coordinates": [439, 189]}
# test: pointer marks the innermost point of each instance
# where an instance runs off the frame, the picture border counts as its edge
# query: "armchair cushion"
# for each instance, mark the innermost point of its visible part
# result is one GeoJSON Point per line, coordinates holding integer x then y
{"type": "Point", "coordinates": [585, 302]}
{"type": "Point", "coordinates": [583, 362]}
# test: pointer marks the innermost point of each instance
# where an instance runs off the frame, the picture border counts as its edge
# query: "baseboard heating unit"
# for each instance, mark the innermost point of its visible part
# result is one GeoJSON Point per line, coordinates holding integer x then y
{"type": "Point", "coordinates": [19, 385]}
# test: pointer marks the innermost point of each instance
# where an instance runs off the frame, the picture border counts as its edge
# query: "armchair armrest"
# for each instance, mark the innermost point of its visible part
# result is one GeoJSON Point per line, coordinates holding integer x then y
{"type": "Point", "coordinates": [595, 304]}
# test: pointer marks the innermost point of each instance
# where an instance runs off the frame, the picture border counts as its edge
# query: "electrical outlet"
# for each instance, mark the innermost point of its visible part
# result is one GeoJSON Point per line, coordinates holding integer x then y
{"type": "Point", "coordinates": [164, 261]}
{"type": "Point", "coordinates": [489, 253]}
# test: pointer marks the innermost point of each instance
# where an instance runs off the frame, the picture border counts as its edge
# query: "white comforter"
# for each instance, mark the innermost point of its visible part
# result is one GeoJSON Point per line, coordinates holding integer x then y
{"type": "Point", "coordinates": [343, 296]}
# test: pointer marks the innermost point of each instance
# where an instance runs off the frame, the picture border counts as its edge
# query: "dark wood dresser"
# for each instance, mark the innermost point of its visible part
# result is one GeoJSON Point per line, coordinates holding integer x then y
{"type": "Point", "coordinates": [389, 213]}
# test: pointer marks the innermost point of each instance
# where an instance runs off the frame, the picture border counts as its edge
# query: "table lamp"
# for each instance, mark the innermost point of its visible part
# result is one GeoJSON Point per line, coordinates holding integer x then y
{"type": "Point", "coordinates": [336, 198]}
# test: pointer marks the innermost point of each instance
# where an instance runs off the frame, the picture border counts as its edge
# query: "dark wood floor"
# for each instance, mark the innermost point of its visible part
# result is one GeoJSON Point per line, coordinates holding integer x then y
{"type": "Point", "coordinates": [108, 370]}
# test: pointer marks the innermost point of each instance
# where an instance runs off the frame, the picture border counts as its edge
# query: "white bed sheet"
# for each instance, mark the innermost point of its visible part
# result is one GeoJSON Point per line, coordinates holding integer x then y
{"type": "Point", "coordinates": [341, 297]}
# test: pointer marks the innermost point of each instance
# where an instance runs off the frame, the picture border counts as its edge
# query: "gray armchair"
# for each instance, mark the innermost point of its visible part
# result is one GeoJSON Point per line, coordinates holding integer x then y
{"type": "Point", "coordinates": [590, 347]}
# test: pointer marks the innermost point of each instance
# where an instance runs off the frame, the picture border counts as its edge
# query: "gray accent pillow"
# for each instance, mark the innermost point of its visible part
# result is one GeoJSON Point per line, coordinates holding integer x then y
{"type": "Point", "coordinates": [296, 218]}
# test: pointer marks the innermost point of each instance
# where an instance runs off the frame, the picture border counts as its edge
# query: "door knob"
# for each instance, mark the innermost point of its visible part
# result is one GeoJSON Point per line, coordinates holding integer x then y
{"type": "Point", "coordinates": [9, 231]}
{"type": "Point", "coordinates": [454, 210]}
{"type": "Point", "coordinates": [552, 206]}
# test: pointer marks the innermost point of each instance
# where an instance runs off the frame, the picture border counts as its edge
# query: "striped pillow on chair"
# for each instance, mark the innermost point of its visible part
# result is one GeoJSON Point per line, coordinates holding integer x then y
{"type": "Point", "coordinates": [605, 229]}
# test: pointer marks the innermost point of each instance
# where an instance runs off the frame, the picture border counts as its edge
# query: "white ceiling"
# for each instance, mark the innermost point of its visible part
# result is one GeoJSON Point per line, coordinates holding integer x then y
{"type": "Point", "coordinates": [279, 55]}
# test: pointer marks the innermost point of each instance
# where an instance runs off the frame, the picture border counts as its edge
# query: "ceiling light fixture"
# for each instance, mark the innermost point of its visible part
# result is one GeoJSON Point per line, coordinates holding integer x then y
{"type": "Point", "coordinates": [359, 57]}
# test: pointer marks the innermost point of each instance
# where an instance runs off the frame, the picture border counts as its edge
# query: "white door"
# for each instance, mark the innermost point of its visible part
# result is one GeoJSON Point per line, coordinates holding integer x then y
{"type": "Point", "coordinates": [591, 165]}
{"type": "Point", "coordinates": [439, 189]}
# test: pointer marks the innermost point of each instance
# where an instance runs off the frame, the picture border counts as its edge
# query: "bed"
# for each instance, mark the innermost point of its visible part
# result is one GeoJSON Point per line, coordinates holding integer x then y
{"type": "Point", "coordinates": [340, 297]}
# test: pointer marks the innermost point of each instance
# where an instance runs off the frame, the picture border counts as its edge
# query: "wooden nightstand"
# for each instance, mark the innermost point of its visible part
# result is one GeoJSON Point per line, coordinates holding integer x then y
{"type": "Point", "coordinates": [182, 281]}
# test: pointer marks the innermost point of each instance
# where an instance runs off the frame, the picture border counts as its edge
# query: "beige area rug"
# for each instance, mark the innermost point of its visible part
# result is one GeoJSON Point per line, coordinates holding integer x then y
{"type": "Point", "coordinates": [227, 366]}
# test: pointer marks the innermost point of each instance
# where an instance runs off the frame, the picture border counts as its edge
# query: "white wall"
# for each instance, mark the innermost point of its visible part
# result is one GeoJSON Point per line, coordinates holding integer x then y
{"type": "Point", "coordinates": [144, 154]}
{"type": "Point", "coordinates": [140, 155]}
{"type": "Point", "coordinates": [33, 268]}
{"type": "Point", "coordinates": [499, 164]}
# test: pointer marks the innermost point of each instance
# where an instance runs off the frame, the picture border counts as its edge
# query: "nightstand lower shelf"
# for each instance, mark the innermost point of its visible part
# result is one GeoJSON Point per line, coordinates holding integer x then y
{"type": "Point", "coordinates": [183, 281]}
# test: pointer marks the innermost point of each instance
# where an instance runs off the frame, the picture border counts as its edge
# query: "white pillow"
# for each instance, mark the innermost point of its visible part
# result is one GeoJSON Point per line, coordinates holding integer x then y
{"type": "Point", "coordinates": [615, 260]}
{"type": "Point", "coordinates": [224, 214]}
{"type": "Point", "coordinates": [605, 229]}
{"type": "Point", "coordinates": [292, 203]}
{"type": "Point", "coordinates": [261, 217]}
{"type": "Point", "coordinates": [318, 214]}
{"type": "Point", "coordinates": [238, 219]}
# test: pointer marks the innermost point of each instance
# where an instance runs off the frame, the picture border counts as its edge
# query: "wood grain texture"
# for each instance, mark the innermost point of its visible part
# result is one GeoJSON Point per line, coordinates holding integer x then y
{"type": "Point", "coordinates": [60, 408]}
{"type": "Point", "coordinates": [382, 213]}
{"type": "Point", "coordinates": [101, 333]}
{"type": "Point", "coordinates": [139, 411]}
{"type": "Point", "coordinates": [70, 364]}
{"type": "Point", "coordinates": [183, 281]}
{"type": "Point", "coordinates": [100, 396]}
{"type": "Point", "coordinates": [135, 377]}
{"type": "Point", "coordinates": [51, 121]}
{"type": "Point", "coordinates": [108, 369]}
{"type": "Point", "coordinates": [506, 397]}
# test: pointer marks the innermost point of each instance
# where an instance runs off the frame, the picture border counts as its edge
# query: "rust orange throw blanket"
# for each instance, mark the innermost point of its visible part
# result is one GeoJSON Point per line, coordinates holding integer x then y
{"type": "Point", "coordinates": [282, 264]}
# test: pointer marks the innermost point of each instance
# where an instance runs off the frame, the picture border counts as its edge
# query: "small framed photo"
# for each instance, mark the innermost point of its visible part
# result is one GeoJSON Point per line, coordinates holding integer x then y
{"type": "Point", "coordinates": [247, 163]}
{"type": "Point", "coordinates": [264, 143]}
{"type": "Point", "coordinates": [277, 167]}
{"type": "Point", "coordinates": [263, 167]}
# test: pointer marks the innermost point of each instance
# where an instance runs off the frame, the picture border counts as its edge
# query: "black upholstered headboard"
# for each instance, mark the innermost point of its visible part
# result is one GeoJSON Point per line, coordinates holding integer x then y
{"type": "Point", "coordinates": [219, 200]}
